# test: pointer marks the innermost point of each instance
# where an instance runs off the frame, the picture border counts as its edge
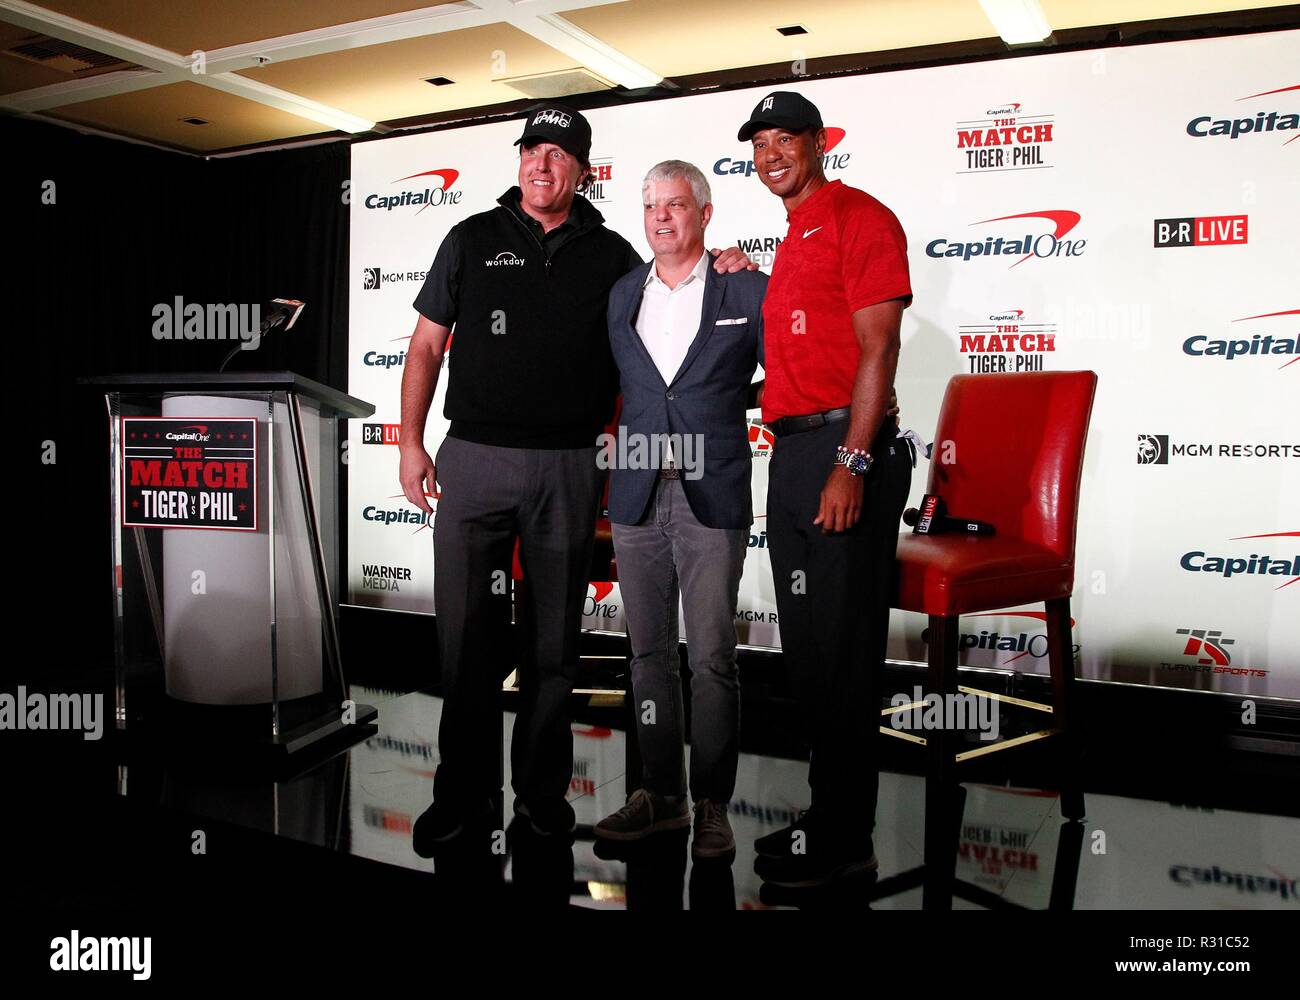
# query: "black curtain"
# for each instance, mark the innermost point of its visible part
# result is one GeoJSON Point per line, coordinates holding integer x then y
{"type": "Point", "coordinates": [100, 231]}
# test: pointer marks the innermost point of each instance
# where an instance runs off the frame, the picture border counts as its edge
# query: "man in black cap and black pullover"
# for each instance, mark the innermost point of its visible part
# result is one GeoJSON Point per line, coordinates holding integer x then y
{"type": "Point", "coordinates": [525, 287]}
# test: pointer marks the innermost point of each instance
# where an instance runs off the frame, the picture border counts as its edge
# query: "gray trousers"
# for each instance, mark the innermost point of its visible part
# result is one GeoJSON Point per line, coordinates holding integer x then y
{"type": "Point", "coordinates": [668, 553]}
{"type": "Point", "coordinates": [548, 498]}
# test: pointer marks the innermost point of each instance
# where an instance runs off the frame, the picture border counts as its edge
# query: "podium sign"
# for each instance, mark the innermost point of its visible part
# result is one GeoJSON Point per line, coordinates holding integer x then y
{"type": "Point", "coordinates": [225, 554]}
{"type": "Point", "coordinates": [196, 472]}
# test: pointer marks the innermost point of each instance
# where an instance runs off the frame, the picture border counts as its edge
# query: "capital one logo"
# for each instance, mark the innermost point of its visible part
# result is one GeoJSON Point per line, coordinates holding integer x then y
{"type": "Point", "coordinates": [424, 197]}
{"type": "Point", "coordinates": [1207, 646]}
{"type": "Point", "coordinates": [1042, 245]}
{"type": "Point", "coordinates": [595, 604]}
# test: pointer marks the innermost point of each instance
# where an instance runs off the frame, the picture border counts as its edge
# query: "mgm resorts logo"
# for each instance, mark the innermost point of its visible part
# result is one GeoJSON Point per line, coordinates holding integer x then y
{"type": "Point", "coordinates": [374, 278]}
{"type": "Point", "coordinates": [1156, 449]}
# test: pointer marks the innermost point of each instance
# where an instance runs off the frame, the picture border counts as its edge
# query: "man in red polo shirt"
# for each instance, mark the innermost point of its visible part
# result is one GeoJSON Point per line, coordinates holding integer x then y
{"type": "Point", "coordinates": [838, 478]}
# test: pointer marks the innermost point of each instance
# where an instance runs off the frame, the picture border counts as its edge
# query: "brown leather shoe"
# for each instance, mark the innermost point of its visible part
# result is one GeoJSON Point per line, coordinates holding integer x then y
{"type": "Point", "coordinates": [644, 814]}
{"type": "Point", "coordinates": [713, 837]}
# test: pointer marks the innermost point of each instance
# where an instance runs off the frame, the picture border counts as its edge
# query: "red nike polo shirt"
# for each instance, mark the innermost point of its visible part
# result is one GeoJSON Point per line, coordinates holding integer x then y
{"type": "Point", "coordinates": [844, 251]}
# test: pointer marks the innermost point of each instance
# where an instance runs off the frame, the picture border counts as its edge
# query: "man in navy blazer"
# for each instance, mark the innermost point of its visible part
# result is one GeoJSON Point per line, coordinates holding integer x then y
{"type": "Point", "coordinates": [686, 341]}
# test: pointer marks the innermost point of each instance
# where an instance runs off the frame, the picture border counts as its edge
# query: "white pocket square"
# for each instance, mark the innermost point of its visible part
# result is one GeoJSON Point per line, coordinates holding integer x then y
{"type": "Point", "coordinates": [732, 322]}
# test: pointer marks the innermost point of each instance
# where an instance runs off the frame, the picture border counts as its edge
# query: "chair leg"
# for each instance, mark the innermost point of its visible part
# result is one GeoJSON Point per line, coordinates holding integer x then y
{"type": "Point", "coordinates": [942, 813]}
{"type": "Point", "coordinates": [1060, 658]}
{"type": "Point", "coordinates": [1065, 876]}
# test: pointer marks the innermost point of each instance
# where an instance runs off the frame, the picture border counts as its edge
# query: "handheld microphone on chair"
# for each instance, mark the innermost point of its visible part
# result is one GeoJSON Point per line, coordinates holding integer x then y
{"type": "Point", "coordinates": [933, 519]}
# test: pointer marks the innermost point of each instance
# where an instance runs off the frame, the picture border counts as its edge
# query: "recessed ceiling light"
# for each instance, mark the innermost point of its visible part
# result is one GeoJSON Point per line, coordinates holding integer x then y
{"type": "Point", "coordinates": [439, 81]}
{"type": "Point", "coordinates": [793, 29]}
{"type": "Point", "coordinates": [192, 120]}
{"type": "Point", "coordinates": [1019, 22]}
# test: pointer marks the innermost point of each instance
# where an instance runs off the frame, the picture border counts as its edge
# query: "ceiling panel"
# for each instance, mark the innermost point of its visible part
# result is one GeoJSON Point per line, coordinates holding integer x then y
{"type": "Point", "coordinates": [155, 114]}
{"type": "Point", "coordinates": [386, 82]}
{"type": "Point", "coordinates": [681, 37]}
{"type": "Point", "coordinates": [186, 25]}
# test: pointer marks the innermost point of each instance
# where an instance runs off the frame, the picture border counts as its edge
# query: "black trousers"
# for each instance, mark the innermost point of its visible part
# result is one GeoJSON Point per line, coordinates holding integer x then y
{"type": "Point", "coordinates": [548, 499]}
{"type": "Point", "coordinates": [832, 595]}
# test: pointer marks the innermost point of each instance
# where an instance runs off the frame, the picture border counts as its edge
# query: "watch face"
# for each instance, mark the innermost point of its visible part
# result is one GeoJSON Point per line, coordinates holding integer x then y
{"type": "Point", "coordinates": [858, 464]}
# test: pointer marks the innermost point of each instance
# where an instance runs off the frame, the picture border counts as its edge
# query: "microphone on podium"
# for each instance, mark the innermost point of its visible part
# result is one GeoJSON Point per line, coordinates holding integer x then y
{"type": "Point", "coordinates": [933, 519]}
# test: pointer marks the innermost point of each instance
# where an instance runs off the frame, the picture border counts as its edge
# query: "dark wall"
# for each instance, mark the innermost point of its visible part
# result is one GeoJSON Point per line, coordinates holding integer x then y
{"type": "Point", "coordinates": [131, 227]}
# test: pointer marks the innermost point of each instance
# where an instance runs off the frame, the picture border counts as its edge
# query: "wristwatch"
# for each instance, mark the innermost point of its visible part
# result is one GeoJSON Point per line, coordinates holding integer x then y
{"type": "Point", "coordinates": [855, 460]}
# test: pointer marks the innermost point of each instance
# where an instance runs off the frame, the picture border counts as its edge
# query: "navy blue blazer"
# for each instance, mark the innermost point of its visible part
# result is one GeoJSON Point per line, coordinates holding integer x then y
{"type": "Point", "coordinates": [706, 397]}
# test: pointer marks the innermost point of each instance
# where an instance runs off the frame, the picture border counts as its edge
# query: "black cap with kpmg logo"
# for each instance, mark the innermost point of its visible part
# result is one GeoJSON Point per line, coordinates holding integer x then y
{"type": "Point", "coordinates": [560, 125]}
{"type": "Point", "coordinates": [781, 109]}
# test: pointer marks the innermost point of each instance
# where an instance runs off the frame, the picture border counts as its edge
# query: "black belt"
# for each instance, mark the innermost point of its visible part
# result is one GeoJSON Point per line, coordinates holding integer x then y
{"type": "Point", "coordinates": [808, 422]}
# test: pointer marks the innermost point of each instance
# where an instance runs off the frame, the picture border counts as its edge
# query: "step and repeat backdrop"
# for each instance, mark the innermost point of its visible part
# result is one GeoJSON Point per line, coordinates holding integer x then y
{"type": "Point", "coordinates": [1134, 211]}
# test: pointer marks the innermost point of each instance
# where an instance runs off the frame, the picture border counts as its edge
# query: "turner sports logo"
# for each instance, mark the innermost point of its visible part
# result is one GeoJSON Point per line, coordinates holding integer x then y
{"type": "Point", "coordinates": [1202, 231]}
{"type": "Point", "coordinates": [597, 603]}
{"type": "Point", "coordinates": [1022, 247]}
{"type": "Point", "coordinates": [1267, 344]}
{"type": "Point", "coordinates": [1019, 644]}
{"type": "Point", "coordinates": [1254, 564]}
{"type": "Point", "coordinates": [1006, 343]}
{"type": "Point", "coordinates": [1208, 126]}
{"type": "Point", "coordinates": [1156, 449]}
{"type": "Point", "coordinates": [1208, 646]}
{"type": "Point", "coordinates": [374, 278]}
{"type": "Point", "coordinates": [761, 440]}
{"type": "Point", "coordinates": [1208, 649]}
{"type": "Point", "coordinates": [1005, 139]}
{"type": "Point", "coordinates": [830, 161]}
{"type": "Point", "coordinates": [419, 197]}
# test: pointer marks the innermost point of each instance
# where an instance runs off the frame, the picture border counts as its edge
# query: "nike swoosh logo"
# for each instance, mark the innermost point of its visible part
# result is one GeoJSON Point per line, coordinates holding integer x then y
{"type": "Point", "coordinates": [809, 232]}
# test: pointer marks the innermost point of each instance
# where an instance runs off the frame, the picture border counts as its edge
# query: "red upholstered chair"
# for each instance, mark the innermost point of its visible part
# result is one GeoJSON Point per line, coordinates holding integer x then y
{"type": "Point", "coordinates": [1009, 451]}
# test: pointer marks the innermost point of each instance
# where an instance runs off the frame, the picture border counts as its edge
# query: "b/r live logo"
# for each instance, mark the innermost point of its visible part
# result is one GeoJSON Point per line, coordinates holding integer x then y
{"type": "Point", "coordinates": [1202, 231]}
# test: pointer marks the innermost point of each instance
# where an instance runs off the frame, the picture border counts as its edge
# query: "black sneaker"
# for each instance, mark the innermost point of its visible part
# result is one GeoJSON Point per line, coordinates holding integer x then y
{"type": "Point", "coordinates": [777, 845]}
{"type": "Point", "coordinates": [548, 818]}
{"type": "Point", "coordinates": [817, 867]}
{"type": "Point", "coordinates": [442, 823]}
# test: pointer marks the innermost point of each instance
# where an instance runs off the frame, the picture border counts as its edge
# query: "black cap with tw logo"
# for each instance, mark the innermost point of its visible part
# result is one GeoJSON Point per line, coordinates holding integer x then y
{"type": "Point", "coordinates": [781, 109]}
{"type": "Point", "coordinates": [560, 125]}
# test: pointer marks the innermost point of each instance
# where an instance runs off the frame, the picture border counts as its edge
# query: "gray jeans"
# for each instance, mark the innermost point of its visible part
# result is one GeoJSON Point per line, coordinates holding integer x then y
{"type": "Point", "coordinates": [668, 553]}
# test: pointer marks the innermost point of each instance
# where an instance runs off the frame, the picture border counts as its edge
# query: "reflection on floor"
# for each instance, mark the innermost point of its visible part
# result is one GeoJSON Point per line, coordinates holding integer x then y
{"type": "Point", "coordinates": [1130, 853]}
